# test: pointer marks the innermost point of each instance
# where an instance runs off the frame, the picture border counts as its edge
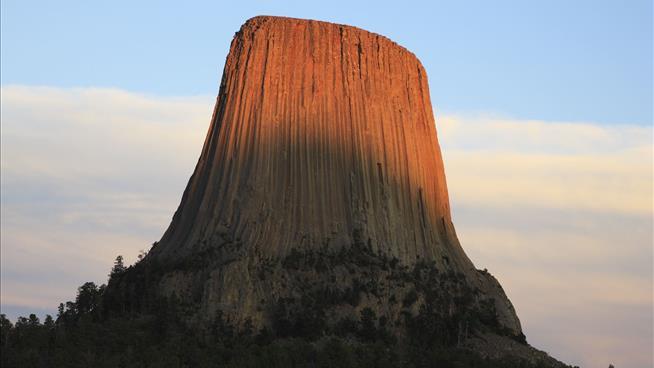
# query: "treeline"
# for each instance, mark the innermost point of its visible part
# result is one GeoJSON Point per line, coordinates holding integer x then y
{"type": "Point", "coordinates": [126, 325]}
{"type": "Point", "coordinates": [151, 341]}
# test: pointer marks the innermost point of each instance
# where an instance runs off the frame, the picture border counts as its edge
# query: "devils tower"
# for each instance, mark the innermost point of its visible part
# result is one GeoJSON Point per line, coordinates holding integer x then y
{"type": "Point", "coordinates": [319, 204]}
{"type": "Point", "coordinates": [320, 133]}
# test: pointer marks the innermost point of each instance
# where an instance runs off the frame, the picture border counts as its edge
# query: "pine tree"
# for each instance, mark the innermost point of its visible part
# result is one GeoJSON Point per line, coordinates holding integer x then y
{"type": "Point", "coordinates": [118, 268]}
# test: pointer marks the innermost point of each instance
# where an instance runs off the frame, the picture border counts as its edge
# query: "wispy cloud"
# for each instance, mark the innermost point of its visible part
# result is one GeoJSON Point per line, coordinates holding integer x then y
{"type": "Point", "coordinates": [87, 174]}
{"type": "Point", "coordinates": [560, 212]}
{"type": "Point", "coordinates": [548, 164]}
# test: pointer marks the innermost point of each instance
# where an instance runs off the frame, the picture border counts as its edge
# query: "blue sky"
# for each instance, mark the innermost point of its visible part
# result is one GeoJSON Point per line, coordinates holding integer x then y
{"type": "Point", "coordinates": [555, 60]}
{"type": "Point", "coordinates": [543, 110]}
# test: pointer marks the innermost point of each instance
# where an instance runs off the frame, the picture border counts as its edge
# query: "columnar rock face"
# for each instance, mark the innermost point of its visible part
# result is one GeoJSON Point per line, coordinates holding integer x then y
{"type": "Point", "coordinates": [323, 137]}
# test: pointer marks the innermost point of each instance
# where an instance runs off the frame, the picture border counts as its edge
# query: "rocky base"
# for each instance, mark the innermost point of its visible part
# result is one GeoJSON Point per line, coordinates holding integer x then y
{"type": "Point", "coordinates": [351, 300]}
{"type": "Point", "coordinates": [351, 308]}
{"type": "Point", "coordinates": [310, 293]}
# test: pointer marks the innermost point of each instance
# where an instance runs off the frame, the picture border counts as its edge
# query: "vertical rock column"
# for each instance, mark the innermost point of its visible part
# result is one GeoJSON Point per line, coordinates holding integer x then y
{"type": "Point", "coordinates": [322, 134]}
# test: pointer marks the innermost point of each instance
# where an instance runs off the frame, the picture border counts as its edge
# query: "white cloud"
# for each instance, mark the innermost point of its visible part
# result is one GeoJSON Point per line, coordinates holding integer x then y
{"type": "Point", "coordinates": [560, 212]}
{"type": "Point", "coordinates": [497, 134]}
{"type": "Point", "coordinates": [548, 164]}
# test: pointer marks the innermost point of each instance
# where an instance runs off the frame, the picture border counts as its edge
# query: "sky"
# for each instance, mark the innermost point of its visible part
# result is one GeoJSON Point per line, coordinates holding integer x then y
{"type": "Point", "coordinates": [544, 115]}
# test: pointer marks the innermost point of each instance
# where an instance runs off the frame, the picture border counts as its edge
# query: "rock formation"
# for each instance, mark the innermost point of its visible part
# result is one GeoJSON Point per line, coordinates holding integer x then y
{"type": "Point", "coordinates": [322, 137]}
{"type": "Point", "coordinates": [320, 198]}
{"type": "Point", "coordinates": [321, 133]}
